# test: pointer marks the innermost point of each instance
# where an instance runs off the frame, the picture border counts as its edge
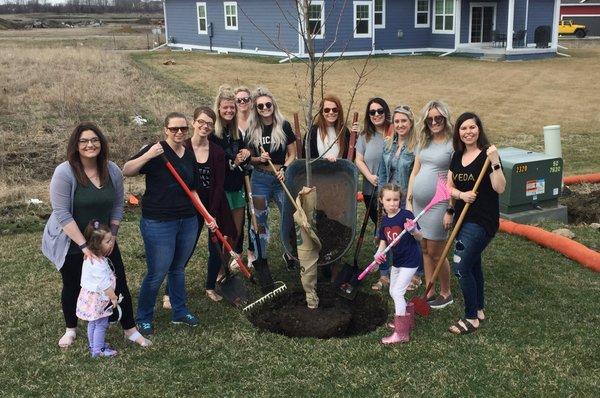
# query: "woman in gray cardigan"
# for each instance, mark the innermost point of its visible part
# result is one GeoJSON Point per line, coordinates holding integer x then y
{"type": "Point", "coordinates": [87, 186]}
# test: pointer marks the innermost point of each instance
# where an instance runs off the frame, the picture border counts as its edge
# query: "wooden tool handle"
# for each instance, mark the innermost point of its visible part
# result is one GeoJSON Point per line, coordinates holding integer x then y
{"type": "Point", "coordinates": [352, 143]}
{"type": "Point", "coordinates": [456, 228]}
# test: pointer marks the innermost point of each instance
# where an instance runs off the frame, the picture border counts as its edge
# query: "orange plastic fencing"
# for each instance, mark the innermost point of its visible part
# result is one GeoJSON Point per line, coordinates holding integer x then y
{"type": "Point", "coordinates": [567, 247]}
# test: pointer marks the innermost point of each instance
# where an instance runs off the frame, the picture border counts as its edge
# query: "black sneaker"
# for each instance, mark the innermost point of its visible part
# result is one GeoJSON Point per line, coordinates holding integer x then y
{"type": "Point", "coordinates": [290, 262]}
{"type": "Point", "coordinates": [441, 302]}
{"type": "Point", "coordinates": [145, 328]}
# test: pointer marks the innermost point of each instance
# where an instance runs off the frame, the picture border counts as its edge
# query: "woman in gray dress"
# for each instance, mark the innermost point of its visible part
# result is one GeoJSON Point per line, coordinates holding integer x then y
{"type": "Point", "coordinates": [433, 155]}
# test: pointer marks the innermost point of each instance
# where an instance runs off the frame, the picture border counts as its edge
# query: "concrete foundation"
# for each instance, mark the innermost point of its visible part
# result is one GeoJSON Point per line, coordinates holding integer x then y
{"type": "Point", "coordinates": [558, 213]}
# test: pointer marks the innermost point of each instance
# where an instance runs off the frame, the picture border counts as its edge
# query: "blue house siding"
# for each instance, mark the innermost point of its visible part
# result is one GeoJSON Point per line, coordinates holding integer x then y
{"type": "Point", "coordinates": [399, 33]}
{"type": "Point", "coordinates": [541, 13]}
{"type": "Point", "coordinates": [182, 22]}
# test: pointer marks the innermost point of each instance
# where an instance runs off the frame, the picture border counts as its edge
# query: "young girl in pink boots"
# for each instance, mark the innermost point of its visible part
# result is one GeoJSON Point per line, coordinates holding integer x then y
{"type": "Point", "coordinates": [406, 258]}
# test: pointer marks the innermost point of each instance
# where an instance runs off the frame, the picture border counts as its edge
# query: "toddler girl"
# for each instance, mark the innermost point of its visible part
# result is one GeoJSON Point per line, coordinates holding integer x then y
{"type": "Point", "coordinates": [97, 297]}
{"type": "Point", "coordinates": [406, 258]}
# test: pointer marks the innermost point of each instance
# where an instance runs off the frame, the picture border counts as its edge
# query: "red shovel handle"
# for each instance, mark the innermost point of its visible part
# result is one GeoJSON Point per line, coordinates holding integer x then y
{"type": "Point", "coordinates": [207, 217]}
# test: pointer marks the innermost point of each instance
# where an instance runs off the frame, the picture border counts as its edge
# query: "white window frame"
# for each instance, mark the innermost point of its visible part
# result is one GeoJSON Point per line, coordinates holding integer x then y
{"type": "Point", "coordinates": [225, 15]}
{"type": "Point", "coordinates": [198, 5]}
{"type": "Point", "coordinates": [443, 15]}
{"type": "Point", "coordinates": [417, 12]}
{"type": "Point", "coordinates": [368, 3]}
{"type": "Point", "coordinates": [383, 7]}
{"type": "Point", "coordinates": [322, 4]}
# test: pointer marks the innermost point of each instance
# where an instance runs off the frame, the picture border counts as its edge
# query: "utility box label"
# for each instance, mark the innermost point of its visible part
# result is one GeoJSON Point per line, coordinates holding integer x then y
{"type": "Point", "coordinates": [535, 187]}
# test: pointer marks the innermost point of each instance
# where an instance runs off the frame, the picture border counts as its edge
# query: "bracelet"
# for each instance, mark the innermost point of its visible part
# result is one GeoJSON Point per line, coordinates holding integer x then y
{"type": "Point", "coordinates": [83, 245]}
{"type": "Point", "coordinates": [283, 168]}
{"type": "Point", "coordinates": [114, 229]}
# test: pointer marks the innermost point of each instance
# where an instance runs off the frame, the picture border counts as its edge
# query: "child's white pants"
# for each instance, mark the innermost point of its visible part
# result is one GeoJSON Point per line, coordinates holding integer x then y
{"type": "Point", "coordinates": [400, 278]}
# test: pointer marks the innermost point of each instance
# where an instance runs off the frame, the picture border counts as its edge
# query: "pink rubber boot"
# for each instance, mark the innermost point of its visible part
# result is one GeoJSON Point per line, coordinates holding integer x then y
{"type": "Point", "coordinates": [401, 331]}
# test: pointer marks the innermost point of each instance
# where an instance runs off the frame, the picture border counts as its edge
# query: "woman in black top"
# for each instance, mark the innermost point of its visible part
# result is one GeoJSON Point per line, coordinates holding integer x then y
{"type": "Point", "coordinates": [227, 136]}
{"type": "Point", "coordinates": [471, 147]}
{"type": "Point", "coordinates": [169, 224]}
{"type": "Point", "coordinates": [271, 137]}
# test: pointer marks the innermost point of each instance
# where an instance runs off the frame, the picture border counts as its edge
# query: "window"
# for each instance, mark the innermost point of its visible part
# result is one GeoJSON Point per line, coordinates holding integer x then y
{"type": "Point", "coordinates": [421, 13]}
{"type": "Point", "coordinates": [202, 24]}
{"type": "Point", "coordinates": [379, 7]}
{"type": "Point", "coordinates": [231, 19]}
{"type": "Point", "coordinates": [315, 19]}
{"type": "Point", "coordinates": [362, 19]}
{"type": "Point", "coordinates": [443, 16]}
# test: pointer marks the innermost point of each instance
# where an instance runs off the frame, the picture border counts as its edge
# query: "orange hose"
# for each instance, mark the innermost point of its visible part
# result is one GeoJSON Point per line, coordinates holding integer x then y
{"type": "Point", "coordinates": [589, 178]}
{"type": "Point", "coordinates": [567, 247]}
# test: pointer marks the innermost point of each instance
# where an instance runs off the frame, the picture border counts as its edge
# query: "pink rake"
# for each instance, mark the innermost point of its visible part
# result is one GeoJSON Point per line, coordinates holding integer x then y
{"type": "Point", "coordinates": [441, 194]}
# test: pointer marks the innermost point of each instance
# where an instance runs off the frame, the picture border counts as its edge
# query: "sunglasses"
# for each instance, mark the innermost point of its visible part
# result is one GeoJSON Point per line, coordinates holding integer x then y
{"type": "Point", "coordinates": [435, 119]}
{"type": "Point", "coordinates": [330, 110]}
{"type": "Point", "coordinates": [243, 100]}
{"type": "Point", "coordinates": [266, 105]}
{"type": "Point", "coordinates": [175, 130]}
{"type": "Point", "coordinates": [84, 142]}
{"type": "Point", "coordinates": [402, 108]}
{"type": "Point", "coordinates": [374, 112]}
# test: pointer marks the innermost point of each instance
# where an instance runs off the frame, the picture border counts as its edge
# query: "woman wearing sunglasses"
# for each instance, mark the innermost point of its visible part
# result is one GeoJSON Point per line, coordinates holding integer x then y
{"type": "Point", "coordinates": [270, 137]}
{"type": "Point", "coordinates": [433, 154]}
{"type": "Point", "coordinates": [87, 186]}
{"type": "Point", "coordinates": [243, 103]}
{"type": "Point", "coordinates": [228, 137]}
{"type": "Point", "coordinates": [329, 136]}
{"type": "Point", "coordinates": [369, 151]}
{"type": "Point", "coordinates": [169, 224]}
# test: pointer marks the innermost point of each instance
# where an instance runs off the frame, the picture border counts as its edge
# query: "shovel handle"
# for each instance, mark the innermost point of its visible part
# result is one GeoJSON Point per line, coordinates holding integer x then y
{"type": "Point", "coordinates": [287, 191]}
{"type": "Point", "coordinates": [207, 217]}
{"type": "Point", "coordinates": [455, 230]}
{"type": "Point", "coordinates": [352, 143]}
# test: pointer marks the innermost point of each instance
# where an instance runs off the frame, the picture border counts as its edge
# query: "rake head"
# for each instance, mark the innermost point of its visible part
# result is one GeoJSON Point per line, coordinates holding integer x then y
{"type": "Point", "coordinates": [269, 296]}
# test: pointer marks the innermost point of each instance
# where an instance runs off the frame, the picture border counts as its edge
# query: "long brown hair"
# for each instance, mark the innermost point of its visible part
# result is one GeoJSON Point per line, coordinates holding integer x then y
{"type": "Point", "coordinates": [75, 160]}
{"type": "Point", "coordinates": [369, 128]}
{"type": "Point", "coordinates": [340, 125]}
{"type": "Point", "coordinates": [94, 235]}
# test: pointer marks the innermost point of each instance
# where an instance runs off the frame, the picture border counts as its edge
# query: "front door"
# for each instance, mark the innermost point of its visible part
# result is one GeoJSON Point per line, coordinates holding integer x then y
{"type": "Point", "coordinates": [482, 22]}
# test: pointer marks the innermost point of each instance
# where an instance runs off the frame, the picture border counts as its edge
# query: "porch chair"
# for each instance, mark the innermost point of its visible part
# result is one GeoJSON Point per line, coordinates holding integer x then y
{"type": "Point", "coordinates": [498, 39]}
{"type": "Point", "coordinates": [519, 38]}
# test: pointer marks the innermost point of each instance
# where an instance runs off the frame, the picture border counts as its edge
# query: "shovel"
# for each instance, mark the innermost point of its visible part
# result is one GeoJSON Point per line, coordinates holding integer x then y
{"type": "Point", "coordinates": [421, 306]}
{"type": "Point", "coordinates": [230, 286]}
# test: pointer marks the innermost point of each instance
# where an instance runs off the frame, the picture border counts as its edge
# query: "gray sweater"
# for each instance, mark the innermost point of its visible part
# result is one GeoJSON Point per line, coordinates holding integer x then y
{"type": "Point", "coordinates": [55, 243]}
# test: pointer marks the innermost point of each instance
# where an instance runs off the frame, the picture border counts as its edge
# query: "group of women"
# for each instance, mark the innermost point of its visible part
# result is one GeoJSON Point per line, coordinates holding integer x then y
{"type": "Point", "coordinates": [247, 128]}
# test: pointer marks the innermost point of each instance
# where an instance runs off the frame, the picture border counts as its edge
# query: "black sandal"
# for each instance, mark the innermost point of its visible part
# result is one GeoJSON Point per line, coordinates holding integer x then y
{"type": "Point", "coordinates": [463, 326]}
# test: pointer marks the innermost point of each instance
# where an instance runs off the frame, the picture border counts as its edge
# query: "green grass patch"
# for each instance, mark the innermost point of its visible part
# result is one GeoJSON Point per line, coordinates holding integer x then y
{"type": "Point", "coordinates": [541, 338]}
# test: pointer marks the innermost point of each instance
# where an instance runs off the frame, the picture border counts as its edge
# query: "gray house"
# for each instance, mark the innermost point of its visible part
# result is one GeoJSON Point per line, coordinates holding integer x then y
{"type": "Point", "coordinates": [508, 29]}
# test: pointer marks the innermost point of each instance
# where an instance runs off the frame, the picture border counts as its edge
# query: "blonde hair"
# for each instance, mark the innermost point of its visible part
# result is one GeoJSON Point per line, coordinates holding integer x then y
{"type": "Point", "coordinates": [411, 140]}
{"type": "Point", "coordinates": [240, 89]}
{"type": "Point", "coordinates": [256, 126]}
{"type": "Point", "coordinates": [225, 94]}
{"type": "Point", "coordinates": [425, 135]}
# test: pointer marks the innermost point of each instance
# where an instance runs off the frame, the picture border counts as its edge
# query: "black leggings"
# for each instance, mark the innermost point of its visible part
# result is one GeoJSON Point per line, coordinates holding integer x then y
{"type": "Point", "coordinates": [373, 210]}
{"type": "Point", "coordinates": [71, 277]}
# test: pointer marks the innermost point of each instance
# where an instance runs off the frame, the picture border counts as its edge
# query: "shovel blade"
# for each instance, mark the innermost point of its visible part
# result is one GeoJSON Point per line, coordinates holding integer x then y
{"type": "Point", "coordinates": [234, 290]}
{"type": "Point", "coordinates": [346, 282]}
{"type": "Point", "coordinates": [421, 306]}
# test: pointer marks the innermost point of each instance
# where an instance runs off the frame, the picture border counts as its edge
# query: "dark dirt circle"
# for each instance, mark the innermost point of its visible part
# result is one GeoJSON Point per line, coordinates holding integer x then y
{"type": "Point", "coordinates": [335, 317]}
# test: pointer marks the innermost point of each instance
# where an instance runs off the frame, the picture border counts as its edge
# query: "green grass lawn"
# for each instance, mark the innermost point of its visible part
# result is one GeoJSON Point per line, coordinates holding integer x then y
{"type": "Point", "coordinates": [541, 338]}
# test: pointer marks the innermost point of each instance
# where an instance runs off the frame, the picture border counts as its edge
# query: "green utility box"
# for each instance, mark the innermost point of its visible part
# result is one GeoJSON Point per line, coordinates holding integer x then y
{"type": "Point", "coordinates": [533, 180]}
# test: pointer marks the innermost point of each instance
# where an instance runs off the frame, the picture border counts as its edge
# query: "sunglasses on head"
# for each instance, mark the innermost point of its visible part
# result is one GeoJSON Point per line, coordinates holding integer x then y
{"type": "Point", "coordinates": [243, 100]}
{"type": "Point", "coordinates": [402, 108]}
{"type": "Point", "coordinates": [435, 119]}
{"type": "Point", "coordinates": [267, 105]}
{"type": "Point", "coordinates": [330, 110]}
{"type": "Point", "coordinates": [175, 130]}
{"type": "Point", "coordinates": [374, 112]}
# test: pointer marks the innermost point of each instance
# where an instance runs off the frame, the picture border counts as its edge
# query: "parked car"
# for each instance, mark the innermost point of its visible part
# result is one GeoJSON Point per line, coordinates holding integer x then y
{"type": "Point", "coordinates": [568, 27]}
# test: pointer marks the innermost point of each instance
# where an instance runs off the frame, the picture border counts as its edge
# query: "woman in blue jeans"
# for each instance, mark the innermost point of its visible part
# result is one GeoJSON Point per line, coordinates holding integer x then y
{"type": "Point", "coordinates": [169, 224]}
{"type": "Point", "coordinates": [471, 147]}
{"type": "Point", "coordinates": [269, 137]}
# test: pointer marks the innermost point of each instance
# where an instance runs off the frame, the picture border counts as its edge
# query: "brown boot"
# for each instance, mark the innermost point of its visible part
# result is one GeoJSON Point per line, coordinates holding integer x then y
{"type": "Point", "coordinates": [401, 332]}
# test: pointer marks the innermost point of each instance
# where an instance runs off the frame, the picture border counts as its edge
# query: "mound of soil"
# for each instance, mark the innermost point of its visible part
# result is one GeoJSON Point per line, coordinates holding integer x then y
{"type": "Point", "coordinates": [582, 207]}
{"type": "Point", "coordinates": [335, 317]}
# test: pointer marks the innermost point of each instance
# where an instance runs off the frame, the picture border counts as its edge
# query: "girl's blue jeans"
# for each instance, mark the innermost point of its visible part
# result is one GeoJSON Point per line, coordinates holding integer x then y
{"type": "Point", "coordinates": [472, 239]}
{"type": "Point", "coordinates": [265, 187]}
{"type": "Point", "coordinates": [168, 246]}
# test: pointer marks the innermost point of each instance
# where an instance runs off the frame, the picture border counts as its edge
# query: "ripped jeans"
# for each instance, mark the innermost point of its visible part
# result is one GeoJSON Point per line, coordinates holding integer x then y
{"type": "Point", "coordinates": [466, 264]}
{"type": "Point", "coordinates": [265, 187]}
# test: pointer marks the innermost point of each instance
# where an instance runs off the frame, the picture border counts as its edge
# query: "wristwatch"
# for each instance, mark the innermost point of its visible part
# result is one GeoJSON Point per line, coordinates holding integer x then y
{"type": "Point", "coordinates": [496, 166]}
{"type": "Point", "coordinates": [450, 210]}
